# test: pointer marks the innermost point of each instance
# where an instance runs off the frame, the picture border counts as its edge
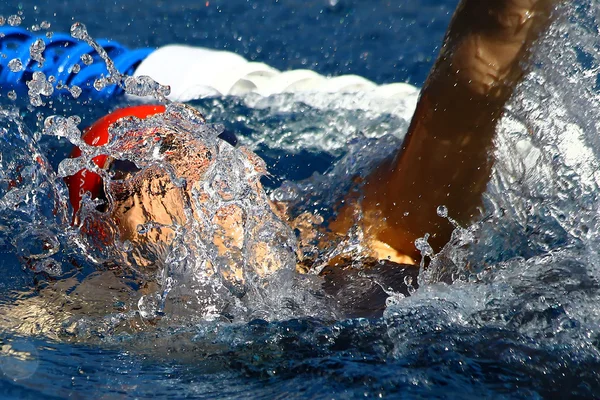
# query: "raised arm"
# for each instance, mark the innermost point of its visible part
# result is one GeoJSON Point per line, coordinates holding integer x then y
{"type": "Point", "coordinates": [446, 157]}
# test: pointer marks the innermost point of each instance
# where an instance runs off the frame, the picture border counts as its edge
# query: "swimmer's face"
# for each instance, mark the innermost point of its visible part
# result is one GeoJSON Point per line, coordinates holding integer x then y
{"type": "Point", "coordinates": [150, 196]}
{"type": "Point", "coordinates": [148, 204]}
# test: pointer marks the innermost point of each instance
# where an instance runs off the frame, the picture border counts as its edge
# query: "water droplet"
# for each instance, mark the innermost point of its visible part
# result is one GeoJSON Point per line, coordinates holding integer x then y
{"type": "Point", "coordinates": [39, 86]}
{"type": "Point", "coordinates": [63, 127]}
{"type": "Point", "coordinates": [79, 31]}
{"type": "Point", "coordinates": [14, 20]}
{"type": "Point", "coordinates": [100, 84]}
{"type": "Point", "coordinates": [75, 68]}
{"type": "Point", "coordinates": [145, 86]}
{"type": "Point", "coordinates": [15, 65]}
{"type": "Point", "coordinates": [422, 244]}
{"type": "Point", "coordinates": [442, 211]}
{"type": "Point", "coordinates": [36, 50]}
{"type": "Point", "coordinates": [87, 59]}
{"type": "Point", "coordinates": [69, 167]}
{"type": "Point", "coordinates": [75, 91]}
{"type": "Point", "coordinates": [127, 246]}
{"type": "Point", "coordinates": [23, 362]}
{"type": "Point", "coordinates": [12, 95]}
{"type": "Point", "coordinates": [45, 25]}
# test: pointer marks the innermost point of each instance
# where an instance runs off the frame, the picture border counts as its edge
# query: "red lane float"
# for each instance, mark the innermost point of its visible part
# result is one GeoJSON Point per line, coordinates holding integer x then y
{"type": "Point", "coordinates": [97, 135]}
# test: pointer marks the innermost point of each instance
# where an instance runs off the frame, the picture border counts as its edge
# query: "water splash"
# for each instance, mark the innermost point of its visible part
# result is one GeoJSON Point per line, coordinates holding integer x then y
{"type": "Point", "coordinates": [222, 247]}
{"type": "Point", "coordinates": [530, 266]}
{"type": "Point", "coordinates": [527, 270]}
{"type": "Point", "coordinates": [135, 86]}
{"type": "Point", "coordinates": [520, 317]}
{"type": "Point", "coordinates": [33, 201]}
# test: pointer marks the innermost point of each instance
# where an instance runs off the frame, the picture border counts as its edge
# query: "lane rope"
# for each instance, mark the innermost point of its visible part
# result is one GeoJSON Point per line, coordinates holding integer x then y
{"type": "Point", "coordinates": [191, 72]}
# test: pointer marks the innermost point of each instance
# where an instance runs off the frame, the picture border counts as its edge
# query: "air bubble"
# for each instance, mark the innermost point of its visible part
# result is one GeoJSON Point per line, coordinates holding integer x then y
{"type": "Point", "coordinates": [149, 306]}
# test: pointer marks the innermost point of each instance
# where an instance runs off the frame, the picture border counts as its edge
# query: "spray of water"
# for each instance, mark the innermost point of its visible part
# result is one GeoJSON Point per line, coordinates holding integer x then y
{"type": "Point", "coordinates": [528, 266]}
{"type": "Point", "coordinates": [222, 252]}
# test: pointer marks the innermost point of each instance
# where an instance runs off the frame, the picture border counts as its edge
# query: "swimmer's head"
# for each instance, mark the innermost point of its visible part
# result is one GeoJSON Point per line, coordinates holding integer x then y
{"type": "Point", "coordinates": [86, 181]}
{"type": "Point", "coordinates": [167, 177]}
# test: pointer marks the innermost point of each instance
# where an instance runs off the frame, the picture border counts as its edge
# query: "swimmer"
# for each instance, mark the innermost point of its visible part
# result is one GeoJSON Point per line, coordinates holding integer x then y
{"type": "Point", "coordinates": [444, 160]}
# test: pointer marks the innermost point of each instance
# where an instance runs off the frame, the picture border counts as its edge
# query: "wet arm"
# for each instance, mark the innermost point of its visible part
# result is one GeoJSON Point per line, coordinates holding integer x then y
{"type": "Point", "coordinates": [446, 157]}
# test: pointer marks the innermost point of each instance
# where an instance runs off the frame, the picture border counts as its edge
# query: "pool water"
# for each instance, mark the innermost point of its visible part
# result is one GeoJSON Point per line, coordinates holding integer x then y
{"type": "Point", "coordinates": [520, 319]}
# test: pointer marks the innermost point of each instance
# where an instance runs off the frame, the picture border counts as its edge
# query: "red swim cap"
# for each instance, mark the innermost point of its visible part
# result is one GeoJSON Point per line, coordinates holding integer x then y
{"type": "Point", "coordinates": [97, 135]}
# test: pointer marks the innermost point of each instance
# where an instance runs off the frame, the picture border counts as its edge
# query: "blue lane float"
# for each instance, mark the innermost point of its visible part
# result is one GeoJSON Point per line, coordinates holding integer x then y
{"type": "Point", "coordinates": [190, 72]}
{"type": "Point", "coordinates": [64, 60]}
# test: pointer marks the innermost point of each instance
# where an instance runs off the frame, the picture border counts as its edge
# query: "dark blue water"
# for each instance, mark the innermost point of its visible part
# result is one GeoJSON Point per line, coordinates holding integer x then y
{"type": "Point", "coordinates": [383, 41]}
{"type": "Point", "coordinates": [523, 323]}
